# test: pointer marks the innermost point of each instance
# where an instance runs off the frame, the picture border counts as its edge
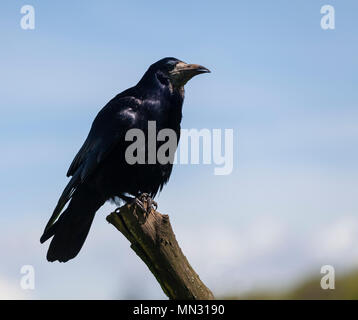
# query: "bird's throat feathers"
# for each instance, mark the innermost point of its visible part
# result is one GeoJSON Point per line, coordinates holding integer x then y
{"type": "Point", "coordinates": [158, 86]}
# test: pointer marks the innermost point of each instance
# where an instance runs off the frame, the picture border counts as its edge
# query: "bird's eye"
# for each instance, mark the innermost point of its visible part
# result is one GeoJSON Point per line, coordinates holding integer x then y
{"type": "Point", "coordinates": [171, 65]}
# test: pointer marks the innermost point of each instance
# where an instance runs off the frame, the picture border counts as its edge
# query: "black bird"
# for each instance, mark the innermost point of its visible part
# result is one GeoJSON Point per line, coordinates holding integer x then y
{"type": "Point", "coordinates": [100, 171]}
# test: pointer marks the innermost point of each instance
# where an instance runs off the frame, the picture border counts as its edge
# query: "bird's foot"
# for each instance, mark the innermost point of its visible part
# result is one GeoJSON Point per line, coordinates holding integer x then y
{"type": "Point", "coordinates": [146, 203]}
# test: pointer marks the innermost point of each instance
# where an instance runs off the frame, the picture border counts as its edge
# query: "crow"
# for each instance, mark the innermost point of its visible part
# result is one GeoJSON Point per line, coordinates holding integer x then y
{"type": "Point", "coordinates": [100, 171]}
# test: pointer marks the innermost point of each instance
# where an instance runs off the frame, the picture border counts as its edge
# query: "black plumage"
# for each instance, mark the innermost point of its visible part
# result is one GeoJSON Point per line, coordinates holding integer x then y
{"type": "Point", "coordinates": [100, 171]}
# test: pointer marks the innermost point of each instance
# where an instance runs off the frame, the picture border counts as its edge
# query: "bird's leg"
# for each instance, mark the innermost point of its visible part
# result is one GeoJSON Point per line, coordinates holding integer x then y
{"type": "Point", "coordinates": [152, 205]}
{"type": "Point", "coordinates": [127, 199]}
{"type": "Point", "coordinates": [146, 203]}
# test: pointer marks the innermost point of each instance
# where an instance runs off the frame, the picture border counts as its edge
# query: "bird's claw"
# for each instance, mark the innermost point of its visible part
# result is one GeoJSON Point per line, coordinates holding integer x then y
{"type": "Point", "coordinates": [146, 203]}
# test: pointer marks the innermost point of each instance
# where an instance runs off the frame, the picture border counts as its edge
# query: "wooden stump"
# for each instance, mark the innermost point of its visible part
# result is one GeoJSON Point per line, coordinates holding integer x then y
{"type": "Point", "coordinates": [152, 238]}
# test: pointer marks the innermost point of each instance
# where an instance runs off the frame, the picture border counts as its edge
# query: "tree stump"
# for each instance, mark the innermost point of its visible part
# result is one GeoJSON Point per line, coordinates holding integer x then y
{"type": "Point", "coordinates": [153, 240]}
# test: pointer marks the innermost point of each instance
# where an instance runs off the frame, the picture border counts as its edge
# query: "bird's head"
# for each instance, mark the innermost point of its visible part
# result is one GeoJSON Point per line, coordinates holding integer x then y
{"type": "Point", "coordinates": [175, 72]}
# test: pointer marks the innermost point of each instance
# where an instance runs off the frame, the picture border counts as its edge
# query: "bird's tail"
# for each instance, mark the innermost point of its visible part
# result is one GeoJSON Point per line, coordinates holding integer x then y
{"type": "Point", "coordinates": [71, 229]}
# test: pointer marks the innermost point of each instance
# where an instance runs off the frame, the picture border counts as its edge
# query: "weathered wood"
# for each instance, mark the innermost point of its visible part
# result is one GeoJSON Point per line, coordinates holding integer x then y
{"type": "Point", "coordinates": [152, 238]}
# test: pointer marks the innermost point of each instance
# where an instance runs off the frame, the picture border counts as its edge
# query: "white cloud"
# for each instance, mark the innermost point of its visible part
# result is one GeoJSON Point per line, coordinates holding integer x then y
{"type": "Point", "coordinates": [336, 242]}
{"type": "Point", "coordinates": [11, 291]}
{"type": "Point", "coordinates": [264, 252]}
{"type": "Point", "coordinates": [231, 257]}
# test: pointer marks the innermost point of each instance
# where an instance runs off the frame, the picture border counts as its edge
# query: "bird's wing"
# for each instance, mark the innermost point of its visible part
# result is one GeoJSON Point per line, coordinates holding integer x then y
{"type": "Point", "coordinates": [110, 125]}
{"type": "Point", "coordinates": [108, 129]}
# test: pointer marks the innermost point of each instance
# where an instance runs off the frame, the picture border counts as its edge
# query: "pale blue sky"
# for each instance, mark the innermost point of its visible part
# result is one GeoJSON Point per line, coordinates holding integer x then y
{"type": "Point", "coordinates": [287, 88]}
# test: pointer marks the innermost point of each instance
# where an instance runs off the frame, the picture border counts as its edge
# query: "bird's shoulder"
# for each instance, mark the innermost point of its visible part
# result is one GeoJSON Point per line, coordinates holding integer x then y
{"type": "Point", "coordinates": [121, 111]}
{"type": "Point", "coordinates": [111, 123]}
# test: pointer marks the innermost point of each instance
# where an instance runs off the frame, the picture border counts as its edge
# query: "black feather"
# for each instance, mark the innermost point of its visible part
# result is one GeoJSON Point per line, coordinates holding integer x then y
{"type": "Point", "coordinates": [100, 172]}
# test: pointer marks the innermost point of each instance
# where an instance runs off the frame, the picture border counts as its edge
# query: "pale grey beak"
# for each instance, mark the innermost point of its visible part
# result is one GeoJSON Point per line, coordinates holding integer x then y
{"type": "Point", "coordinates": [183, 72]}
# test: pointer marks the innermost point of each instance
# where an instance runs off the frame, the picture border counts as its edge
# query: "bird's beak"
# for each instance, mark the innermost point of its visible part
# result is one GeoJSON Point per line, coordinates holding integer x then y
{"type": "Point", "coordinates": [183, 72]}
